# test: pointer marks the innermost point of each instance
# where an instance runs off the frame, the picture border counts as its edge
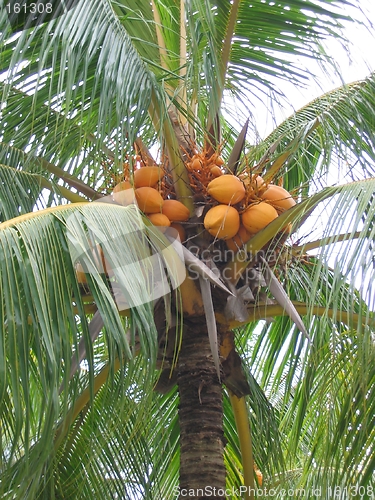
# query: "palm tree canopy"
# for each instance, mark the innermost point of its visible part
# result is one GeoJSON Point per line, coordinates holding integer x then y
{"type": "Point", "coordinates": [77, 94]}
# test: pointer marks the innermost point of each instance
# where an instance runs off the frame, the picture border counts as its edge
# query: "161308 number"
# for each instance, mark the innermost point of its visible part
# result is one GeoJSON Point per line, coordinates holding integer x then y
{"type": "Point", "coordinates": [25, 14]}
{"type": "Point", "coordinates": [366, 492]}
{"type": "Point", "coordinates": [29, 8]}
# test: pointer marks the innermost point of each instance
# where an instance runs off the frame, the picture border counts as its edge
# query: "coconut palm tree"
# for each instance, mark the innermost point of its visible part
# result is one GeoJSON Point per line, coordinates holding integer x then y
{"type": "Point", "coordinates": [187, 308]}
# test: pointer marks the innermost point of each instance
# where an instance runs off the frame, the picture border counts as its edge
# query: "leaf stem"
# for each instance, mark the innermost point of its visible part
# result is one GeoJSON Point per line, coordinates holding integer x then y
{"type": "Point", "coordinates": [243, 430]}
{"type": "Point", "coordinates": [33, 215]}
{"type": "Point", "coordinates": [66, 193]}
{"type": "Point", "coordinates": [71, 180]}
{"type": "Point", "coordinates": [225, 55]}
{"type": "Point", "coordinates": [329, 240]}
{"type": "Point", "coordinates": [264, 311]}
{"type": "Point", "coordinates": [183, 53]}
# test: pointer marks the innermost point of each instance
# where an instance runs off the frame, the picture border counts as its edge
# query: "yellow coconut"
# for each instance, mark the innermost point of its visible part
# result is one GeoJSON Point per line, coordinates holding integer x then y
{"type": "Point", "coordinates": [123, 193]}
{"type": "Point", "coordinates": [149, 200]}
{"type": "Point", "coordinates": [222, 221]}
{"type": "Point", "coordinates": [216, 171]}
{"type": "Point", "coordinates": [196, 164]}
{"type": "Point", "coordinates": [226, 189]}
{"type": "Point", "coordinates": [253, 183]}
{"type": "Point", "coordinates": [175, 211]}
{"type": "Point", "coordinates": [239, 239]}
{"type": "Point", "coordinates": [159, 220]}
{"type": "Point", "coordinates": [146, 176]}
{"type": "Point", "coordinates": [280, 198]}
{"type": "Point", "coordinates": [258, 216]}
{"type": "Point", "coordinates": [180, 229]}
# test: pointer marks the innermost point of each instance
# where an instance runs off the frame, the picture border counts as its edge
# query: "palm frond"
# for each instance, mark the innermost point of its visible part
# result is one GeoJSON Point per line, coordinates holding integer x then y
{"type": "Point", "coordinates": [333, 130]}
{"type": "Point", "coordinates": [20, 192]}
{"type": "Point", "coordinates": [63, 69]}
{"type": "Point", "coordinates": [43, 317]}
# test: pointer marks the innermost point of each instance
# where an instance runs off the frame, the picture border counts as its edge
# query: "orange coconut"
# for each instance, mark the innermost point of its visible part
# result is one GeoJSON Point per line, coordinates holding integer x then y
{"type": "Point", "coordinates": [258, 216]}
{"type": "Point", "coordinates": [159, 219]}
{"type": "Point", "coordinates": [175, 211]}
{"type": "Point", "coordinates": [123, 193]}
{"type": "Point", "coordinates": [216, 171]}
{"type": "Point", "coordinates": [180, 229]}
{"type": "Point", "coordinates": [121, 186]}
{"type": "Point", "coordinates": [280, 198]}
{"type": "Point", "coordinates": [226, 189]}
{"type": "Point", "coordinates": [146, 176]}
{"type": "Point", "coordinates": [222, 221]}
{"type": "Point", "coordinates": [149, 200]}
{"type": "Point", "coordinates": [239, 239]}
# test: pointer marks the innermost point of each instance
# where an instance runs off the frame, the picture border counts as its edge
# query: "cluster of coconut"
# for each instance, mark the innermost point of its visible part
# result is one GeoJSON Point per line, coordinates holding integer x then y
{"type": "Point", "coordinates": [246, 205]}
{"type": "Point", "coordinates": [144, 190]}
{"type": "Point", "coordinates": [146, 193]}
{"type": "Point", "coordinates": [240, 206]}
{"type": "Point", "coordinates": [204, 168]}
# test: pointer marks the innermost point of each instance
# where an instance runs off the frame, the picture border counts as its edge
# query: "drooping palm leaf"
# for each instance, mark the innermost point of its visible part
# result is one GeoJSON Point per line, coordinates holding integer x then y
{"type": "Point", "coordinates": [38, 278]}
{"type": "Point", "coordinates": [335, 129]}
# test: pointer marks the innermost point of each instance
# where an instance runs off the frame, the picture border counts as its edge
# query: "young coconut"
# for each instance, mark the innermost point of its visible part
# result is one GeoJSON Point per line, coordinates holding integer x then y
{"type": "Point", "coordinates": [149, 200]}
{"type": "Point", "coordinates": [279, 197]}
{"type": "Point", "coordinates": [222, 221]}
{"type": "Point", "coordinates": [258, 216]}
{"type": "Point", "coordinates": [196, 163]}
{"type": "Point", "coordinates": [216, 171]}
{"type": "Point", "coordinates": [147, 176]}
{"type": "Point", "coordinates": [227, 189]}
{"type": "Point", "coordinates": [175, 211]}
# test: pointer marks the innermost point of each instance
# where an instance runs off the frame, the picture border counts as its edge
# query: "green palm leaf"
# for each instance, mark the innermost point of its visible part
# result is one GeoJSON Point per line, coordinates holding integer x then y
{"type": "Point", "coordinates": [43, 317]}
{"type": "Point", "coordinates": [333, 130]}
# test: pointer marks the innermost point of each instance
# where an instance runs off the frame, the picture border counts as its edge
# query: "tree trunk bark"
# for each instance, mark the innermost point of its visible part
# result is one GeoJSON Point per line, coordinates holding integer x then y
{"type": "Point", "coordinates": [202, 470]}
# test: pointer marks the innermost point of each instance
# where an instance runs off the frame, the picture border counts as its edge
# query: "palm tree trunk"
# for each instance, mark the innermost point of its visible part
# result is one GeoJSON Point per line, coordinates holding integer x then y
{"type": "Point", "coordinates": [202, 470]}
